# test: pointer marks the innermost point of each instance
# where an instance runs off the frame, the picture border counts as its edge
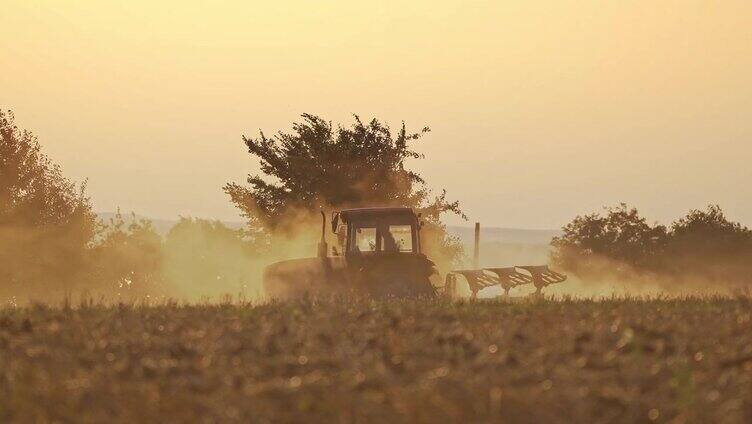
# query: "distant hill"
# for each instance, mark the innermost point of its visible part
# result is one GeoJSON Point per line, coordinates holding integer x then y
{"type": "Point", "coordinates": [503, 235]}
{"type": "Point", "coordinates": [506, 246]}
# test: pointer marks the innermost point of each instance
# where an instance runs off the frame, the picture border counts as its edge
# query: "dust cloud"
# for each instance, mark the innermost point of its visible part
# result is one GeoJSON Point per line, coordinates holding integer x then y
{"type": "Point", "coordinates": [605, 277]}
{"type": "Point", "coordinates": [232, 271]}
{"type": "Point", "coordinates": [195, 261]}
{"type": "Point", "coordinates": [203, 261]}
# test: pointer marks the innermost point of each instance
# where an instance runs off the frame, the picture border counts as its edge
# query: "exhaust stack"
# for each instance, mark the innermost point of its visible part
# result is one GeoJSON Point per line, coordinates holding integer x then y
{"type": "Point", "coordinates": [476, 250]}
{"type": "Point", "coordinates": [322, 248]}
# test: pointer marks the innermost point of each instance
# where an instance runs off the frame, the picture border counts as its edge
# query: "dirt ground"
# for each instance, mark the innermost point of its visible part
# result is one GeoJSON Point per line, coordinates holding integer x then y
{"type": "Point", "coordinates": [619, 360]}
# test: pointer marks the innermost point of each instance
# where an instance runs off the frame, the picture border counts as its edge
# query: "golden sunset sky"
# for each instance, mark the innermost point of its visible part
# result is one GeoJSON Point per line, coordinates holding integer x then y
{"type": "Point", "coordinates": [539, 110]}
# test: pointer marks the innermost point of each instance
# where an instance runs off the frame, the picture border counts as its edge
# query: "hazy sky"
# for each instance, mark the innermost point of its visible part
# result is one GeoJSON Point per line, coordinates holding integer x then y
{"type": "Point", "coordinates": [539, 110]}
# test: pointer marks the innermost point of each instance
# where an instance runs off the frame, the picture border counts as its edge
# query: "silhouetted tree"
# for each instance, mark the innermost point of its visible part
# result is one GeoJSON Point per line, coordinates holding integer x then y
{"type": "Point", "coordinates": [621, 234]}
{"type": "Point", "coordinates": [709, 232]}
{"type": "Point", "coordinates": [46, 221]}
{"type": "Point", "coordinates": [706, 243]}
{"type": "Point", "coordinates": [127, 259]}
{"type": "Point", "coordinates": [320, 166]}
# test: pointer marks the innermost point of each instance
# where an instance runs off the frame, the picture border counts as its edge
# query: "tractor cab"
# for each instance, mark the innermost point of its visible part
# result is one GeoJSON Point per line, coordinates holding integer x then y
{"type": "Point", "coordinates": [377, 231]}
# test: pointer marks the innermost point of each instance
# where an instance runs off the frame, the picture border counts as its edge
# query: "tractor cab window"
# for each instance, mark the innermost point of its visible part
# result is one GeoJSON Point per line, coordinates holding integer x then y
{"type": "Point", "coordinates": [400, 238]}
{"type": "Point", "coordinates": [381, 235]}
{"type": "Point", "coordinates": [365, 239]}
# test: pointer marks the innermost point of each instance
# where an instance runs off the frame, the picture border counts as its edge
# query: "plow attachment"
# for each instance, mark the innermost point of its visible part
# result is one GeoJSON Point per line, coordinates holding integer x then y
{"type": "Point", "coordinates": [507, 278]}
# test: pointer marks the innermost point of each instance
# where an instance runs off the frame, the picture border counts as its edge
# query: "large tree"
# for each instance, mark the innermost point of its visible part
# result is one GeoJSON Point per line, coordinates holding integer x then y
{"type": "Point", "coordinates": [46, 220]}
{"type": "Point", "coordinates": [318, 165]}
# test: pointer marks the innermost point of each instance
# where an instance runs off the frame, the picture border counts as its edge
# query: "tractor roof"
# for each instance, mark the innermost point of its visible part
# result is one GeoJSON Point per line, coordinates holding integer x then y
{"type": "Point", "coordinates": [363, 212]}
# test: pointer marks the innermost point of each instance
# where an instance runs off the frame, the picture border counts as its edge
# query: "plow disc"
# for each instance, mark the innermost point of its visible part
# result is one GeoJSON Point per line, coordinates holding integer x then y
{"type": "Point", "coordinates": [509, 278]}
{"type": "Point", "coordinates": [543, 276]}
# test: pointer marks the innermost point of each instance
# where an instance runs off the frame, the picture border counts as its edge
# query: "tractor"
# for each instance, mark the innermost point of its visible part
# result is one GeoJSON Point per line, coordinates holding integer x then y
{"type": "Point", "coordinates": [381, 257]}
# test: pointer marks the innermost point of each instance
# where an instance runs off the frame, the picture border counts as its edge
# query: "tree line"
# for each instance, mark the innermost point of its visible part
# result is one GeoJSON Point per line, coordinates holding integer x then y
{"type": "Point", "coordinates": [704, 245]}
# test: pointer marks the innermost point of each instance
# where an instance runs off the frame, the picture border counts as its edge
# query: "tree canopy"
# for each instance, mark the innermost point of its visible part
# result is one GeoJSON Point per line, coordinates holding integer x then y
{"type": "Point", "coordinates": [621, 233]}
{"type": "Point", "coordinates": [33, 190]}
